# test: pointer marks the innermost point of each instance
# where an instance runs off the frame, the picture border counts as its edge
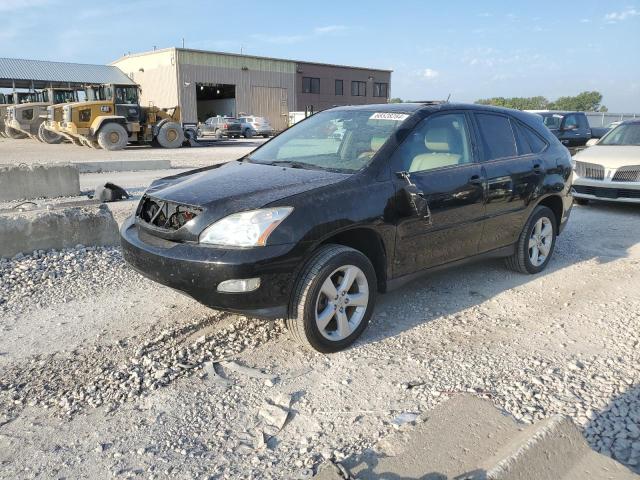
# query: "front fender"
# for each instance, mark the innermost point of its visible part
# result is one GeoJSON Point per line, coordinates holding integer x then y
{"type": "Point", "coordinates": [103, 119]}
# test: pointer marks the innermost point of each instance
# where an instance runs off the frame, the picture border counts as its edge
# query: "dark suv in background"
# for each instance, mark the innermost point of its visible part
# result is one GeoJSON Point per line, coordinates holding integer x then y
{"type": "Point", "coordinates": [310, 226]}
{"type": "Point", "coordinates": [571, 128]}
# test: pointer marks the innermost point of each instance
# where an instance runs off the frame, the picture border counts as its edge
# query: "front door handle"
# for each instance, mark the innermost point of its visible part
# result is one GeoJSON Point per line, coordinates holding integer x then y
{"type": "Point", "coordinates": [537, 169]}
{"type": "Point", "coordinates": [476, 180]}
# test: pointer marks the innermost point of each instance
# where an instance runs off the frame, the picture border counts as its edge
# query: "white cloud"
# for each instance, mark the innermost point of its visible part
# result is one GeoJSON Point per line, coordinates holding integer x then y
{"type": "Point", "coordinates": [329, 29]}
{"type": "Point", "coordinates": [614, 17]}
{"type": "Point", "coordinates": [429, 73]}
{"type": "Point", "coordinates": [585, 20]}
{"type": "Point", "coordinates": [485, 14]}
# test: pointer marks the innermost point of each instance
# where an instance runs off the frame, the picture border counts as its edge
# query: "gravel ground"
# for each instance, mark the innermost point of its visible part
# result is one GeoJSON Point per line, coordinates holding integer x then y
{"type": "Point", "coordinates": [30, 151]}
{"type": "Point", "coordinates": [104, 373]}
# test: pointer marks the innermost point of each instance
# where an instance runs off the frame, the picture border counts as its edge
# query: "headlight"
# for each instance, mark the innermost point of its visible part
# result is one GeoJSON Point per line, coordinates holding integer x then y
{"type": "Point", "coordinates": [245, 229]}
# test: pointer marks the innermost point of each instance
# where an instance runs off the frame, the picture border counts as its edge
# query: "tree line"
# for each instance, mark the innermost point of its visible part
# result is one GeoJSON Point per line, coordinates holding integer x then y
{"type": "Point", "coordinates": [583, 102]}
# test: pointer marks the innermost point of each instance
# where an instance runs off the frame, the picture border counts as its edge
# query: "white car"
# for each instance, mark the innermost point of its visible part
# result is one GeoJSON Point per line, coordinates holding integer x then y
{"type": "Point", "coordinates": [610, 169]}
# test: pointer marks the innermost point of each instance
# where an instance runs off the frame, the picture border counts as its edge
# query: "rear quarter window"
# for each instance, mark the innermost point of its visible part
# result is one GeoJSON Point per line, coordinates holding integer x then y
{"type": "Point", "coordinates": [496, 136]}
{"type": "Point", "coordinates": [536, 142]}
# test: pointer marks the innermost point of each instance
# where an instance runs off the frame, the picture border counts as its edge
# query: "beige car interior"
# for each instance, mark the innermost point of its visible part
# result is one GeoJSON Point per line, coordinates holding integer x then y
{"type": "Point", "coordinates": [443, 144]}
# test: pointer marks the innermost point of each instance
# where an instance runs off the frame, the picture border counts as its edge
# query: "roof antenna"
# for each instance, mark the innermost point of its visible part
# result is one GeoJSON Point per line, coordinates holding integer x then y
{"type": "Point", "coordinates": [447, 100]}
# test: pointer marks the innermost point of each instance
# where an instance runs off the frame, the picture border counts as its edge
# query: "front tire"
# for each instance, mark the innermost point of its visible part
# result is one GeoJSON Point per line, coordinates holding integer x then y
{"type": "Point", "coordinates": [333, 299]}
{"type": "Point", "coordinates": [171, 135]}
{"type": "Point", "coordinates": [113, 136]}
{"type": "Point", "coordinates": [536, 243]}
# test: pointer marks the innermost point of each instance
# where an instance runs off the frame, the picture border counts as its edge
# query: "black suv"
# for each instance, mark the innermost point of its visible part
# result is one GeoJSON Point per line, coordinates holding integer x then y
{"type": "Point", "coordinates": [310, 226]}
{"type": "Point", "coordinates": [571, 128]}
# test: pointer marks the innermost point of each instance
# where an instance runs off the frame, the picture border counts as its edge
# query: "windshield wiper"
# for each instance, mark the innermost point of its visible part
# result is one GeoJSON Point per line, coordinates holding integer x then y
{"type": "Point", "coordinates": [294, 164]}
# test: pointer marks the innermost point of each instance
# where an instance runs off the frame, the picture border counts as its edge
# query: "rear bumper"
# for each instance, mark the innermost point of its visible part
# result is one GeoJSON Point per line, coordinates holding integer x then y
{"type": "Point", "coordinates": [197, 270]}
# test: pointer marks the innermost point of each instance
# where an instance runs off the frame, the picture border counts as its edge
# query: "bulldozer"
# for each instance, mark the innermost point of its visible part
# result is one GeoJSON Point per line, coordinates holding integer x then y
{"type": "Point", "coordinates": [112, 116]}
{"type": "Point", "coordinates": [28, 118]}
{"type": "Point", "coordinates": [7, 100]}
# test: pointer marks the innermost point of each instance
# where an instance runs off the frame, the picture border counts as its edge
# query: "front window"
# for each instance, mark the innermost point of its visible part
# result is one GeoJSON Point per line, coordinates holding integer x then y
{"type": "Point", "coordinates": [102, 93]}
{"type": "Point", "coordinates": [335, 140]}
{"type": "Point", "coordinates": [552, 122]}
{"type": "Point", "coordinates": [625, 134]}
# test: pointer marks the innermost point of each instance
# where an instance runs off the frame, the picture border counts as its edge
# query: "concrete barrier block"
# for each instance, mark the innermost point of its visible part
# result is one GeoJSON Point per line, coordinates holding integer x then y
{"type": "Point", "coordinates": [25, 232]}
{"type": "Point", "coordinates": [19, 182]}
{"type": "Point", "coordinates": [121, 165]}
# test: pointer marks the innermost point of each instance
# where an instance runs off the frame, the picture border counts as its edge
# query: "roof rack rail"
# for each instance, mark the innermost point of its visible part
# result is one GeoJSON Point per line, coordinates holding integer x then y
{"type": "Point", "coordinates": [432, 102]}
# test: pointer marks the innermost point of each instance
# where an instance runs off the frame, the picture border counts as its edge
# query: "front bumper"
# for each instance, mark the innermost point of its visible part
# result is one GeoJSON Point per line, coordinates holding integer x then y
{"type": "Point", "coordinates": [197, 270]}
{"type": "Point", "coordinates": [606, 190]}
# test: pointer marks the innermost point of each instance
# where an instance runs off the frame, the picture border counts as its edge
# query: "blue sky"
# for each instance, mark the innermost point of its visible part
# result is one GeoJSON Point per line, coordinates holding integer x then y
{"type": "Point", "coordinates": [468, 49]}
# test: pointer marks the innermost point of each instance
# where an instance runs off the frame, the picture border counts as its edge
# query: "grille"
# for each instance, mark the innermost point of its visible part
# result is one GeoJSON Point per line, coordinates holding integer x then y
{"type": "Point", "coordinates": [590, 170]}
{"type": "Point", "coordinates": [607, 192]}
{"type": "Point", "coordinates": [165, 215]}
{"type": "Point", "coordinates": [627, 174]}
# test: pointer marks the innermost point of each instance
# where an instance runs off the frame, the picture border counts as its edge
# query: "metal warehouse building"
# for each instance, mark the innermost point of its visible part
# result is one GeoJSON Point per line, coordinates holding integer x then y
{"type": "Point", "coordinates": [206, 84]}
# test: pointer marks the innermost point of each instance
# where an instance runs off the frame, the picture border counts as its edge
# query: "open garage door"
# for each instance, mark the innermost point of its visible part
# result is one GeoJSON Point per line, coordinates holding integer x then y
{"type": "Point", "coordinates": [271, 103]}
{"type": "Point", "coordinates": [215, 99]}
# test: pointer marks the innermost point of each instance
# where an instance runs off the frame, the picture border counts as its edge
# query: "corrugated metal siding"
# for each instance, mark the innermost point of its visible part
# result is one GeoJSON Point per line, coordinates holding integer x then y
{"type": "Point", "coordinates": [271, 103]}
{"type": "Point", "coordinates": [189, 57]}
{"type": "Point", "coordinates": [44, 71]}
{"type": "Point", "coordinates": [157, 76]}
{"type": "Point", "coordinates": [244, 80]}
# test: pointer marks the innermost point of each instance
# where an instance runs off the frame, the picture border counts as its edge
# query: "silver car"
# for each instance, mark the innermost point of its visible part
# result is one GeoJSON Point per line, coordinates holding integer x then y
{"type": "Point", "coordinates": [252, 126]}
{"type": "Point", "coordinates": [610, 169]}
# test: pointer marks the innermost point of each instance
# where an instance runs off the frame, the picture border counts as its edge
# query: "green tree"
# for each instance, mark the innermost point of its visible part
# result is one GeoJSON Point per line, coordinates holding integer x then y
{"type": "Point", "coordinates": [583, 102]}
{"type": "Point", "coordinates": [395, 100]}
{"type": "Point", "coordinates": [519, 103]}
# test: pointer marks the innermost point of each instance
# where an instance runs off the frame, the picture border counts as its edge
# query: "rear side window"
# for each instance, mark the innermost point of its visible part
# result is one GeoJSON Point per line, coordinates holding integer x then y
{"type": "Point", "coordinates": [496, 136]}
{"type": "Point", "coordinates": [536, 142]}
{"type": "Point", "coordinates": [582, 122]}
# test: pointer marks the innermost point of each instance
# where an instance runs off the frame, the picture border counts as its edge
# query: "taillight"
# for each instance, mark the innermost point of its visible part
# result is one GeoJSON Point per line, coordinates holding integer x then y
{"type": "Point", "coordinates": [225, 126]}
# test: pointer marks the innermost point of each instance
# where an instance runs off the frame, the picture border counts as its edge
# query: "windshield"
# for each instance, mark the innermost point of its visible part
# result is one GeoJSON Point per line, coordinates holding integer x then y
{"type": "Point", "coordinates": [340, 140]}
{"type": "Point", "coordinates": [102, 93]}
{"type": "Point", "coordinates": [64, 96]}
{"type": "Point", "coordinates": [552, 121]}
{"type": "Point", "coordinates": [628, 134]}
{"type": "Point", "coordinates": [127, 95]}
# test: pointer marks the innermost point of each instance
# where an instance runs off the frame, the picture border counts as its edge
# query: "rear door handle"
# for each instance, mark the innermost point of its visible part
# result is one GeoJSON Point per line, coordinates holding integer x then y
{"type": "Point", "coordinates": [476, 180]}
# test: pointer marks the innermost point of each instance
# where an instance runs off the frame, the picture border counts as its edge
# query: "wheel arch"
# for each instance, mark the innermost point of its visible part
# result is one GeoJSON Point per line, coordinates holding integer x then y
{"type": "Point", "coordinates": [554, 202]}
{"type": "Point", "coordinates": [368, 242]}
{"type": "Point", "coordinates": [102, 120]}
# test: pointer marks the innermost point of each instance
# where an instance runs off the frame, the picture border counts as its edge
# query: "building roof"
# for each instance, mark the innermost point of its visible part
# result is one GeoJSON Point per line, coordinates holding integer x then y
{"type": "Point", "coordinates": [151, 52]}
{"type": "Point", "coordinates": [42, 74]}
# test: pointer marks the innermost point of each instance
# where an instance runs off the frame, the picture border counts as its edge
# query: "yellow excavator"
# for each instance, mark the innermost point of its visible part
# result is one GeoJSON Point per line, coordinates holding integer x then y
{"type": "Point", "coordinates": [112, 116]}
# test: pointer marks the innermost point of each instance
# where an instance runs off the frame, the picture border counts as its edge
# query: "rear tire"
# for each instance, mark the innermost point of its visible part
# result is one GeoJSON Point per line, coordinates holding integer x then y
{"type": "Point", "coordinates": [581, 201]}
{"type": "Point", "coordinates": [248, 133]}
{"type": "Point", "coordinates": [170, 135]}
{"type": "Point", "coordinates": [113, 136]}
{"type": "Point", "coordinates": [13, 133]}
{"type": "Point", "coordinates": [536, 243]}
{"type": "Point", "coordinates": [333, 299]}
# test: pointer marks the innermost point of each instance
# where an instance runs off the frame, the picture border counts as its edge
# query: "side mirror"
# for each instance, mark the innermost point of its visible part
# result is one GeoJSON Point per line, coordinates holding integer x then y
{"type": "Point", "coordinates": [414, 198]}
{"type": "Point", "coordinates": [592, 141]}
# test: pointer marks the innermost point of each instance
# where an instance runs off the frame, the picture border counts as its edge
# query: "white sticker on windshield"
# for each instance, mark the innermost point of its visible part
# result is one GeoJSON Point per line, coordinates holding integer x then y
{"type": "Point", "coordinates": [396, 117]}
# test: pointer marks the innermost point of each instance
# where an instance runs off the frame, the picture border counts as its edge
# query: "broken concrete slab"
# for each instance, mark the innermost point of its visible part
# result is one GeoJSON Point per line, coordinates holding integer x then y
{"type": "Point", "coordinates": [100, 166]}
{"type": "Point", "coordinates": [44, 229]}
{"type": "Point", "coordinates": [467, 437]}
{"type": "Point", "coordinates": [19, 182]}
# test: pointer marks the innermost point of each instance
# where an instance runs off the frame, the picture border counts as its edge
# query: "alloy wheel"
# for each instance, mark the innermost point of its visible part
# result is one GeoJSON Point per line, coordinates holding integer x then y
{"type": "Point", "coordinates": [342, 302]}
{"type": "Point", "coordinates": [540, 241]}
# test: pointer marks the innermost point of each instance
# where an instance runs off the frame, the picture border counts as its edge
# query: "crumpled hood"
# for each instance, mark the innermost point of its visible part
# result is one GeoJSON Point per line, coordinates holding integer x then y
{"type": "Point", "coordinates": [221, 190]}
{"type": "Point", "coordinates": [610, 156]}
